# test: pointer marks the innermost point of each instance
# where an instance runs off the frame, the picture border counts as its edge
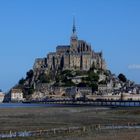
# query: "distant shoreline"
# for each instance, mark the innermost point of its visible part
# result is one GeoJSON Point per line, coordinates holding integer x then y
{"type": "Point", "coordinates": [73, 104]}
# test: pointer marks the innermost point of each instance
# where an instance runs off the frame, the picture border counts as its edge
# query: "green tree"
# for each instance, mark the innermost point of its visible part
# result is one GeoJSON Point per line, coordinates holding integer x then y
{"type": "Point", "coordinates": [93, 76]}
{"type": "Point", "coordinates": [122, 77]}
{"type": "Point", "coordinates": [29, 74]}
{"type": "Point", "coordinates": [67, 73]}
{"type": "Point", "coordinates": [82, 84]}
{"type": "Point", "coordinates": [94, 86]}
{"type": "Point", "coordinates": [31, 90]}
{"type": "Point", "coordinates": [21, 81]}
{"type": "Point", "coordinates": [69, 83]}
{"type": "Point", "coordinates": [43, 78]}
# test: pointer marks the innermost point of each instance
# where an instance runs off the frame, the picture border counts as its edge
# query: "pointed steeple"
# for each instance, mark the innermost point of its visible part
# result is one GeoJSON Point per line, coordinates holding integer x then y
{"type": "Point", "coordinates": [74, 38]}
{"type": "Point", "coordinates": [74, 27]}
{"type": "Point", "coordinates": [74, 35]}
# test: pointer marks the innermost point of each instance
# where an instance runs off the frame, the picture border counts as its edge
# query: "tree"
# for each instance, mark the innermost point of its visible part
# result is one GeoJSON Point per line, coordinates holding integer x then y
{"type": "Point", "coordinates": [21, 81]}
{"type": "Point", "coordinates": [67, 73]}
{"type": "Point", "coordinates": [122, 77]}
{"type": "Point", "coordinates": [43, 78]}
{"type": "Point", "coordinates": [93, 76]}
{"type": "Point", "coordinates": [69, 83]}
{"type": "Point", "coordinates": [31, 90]}
{"type": "Point", "coordinates": [82, 84]}
{"type": "Point", "coordinates": [29, 74]}
{"type": "Point", "coordinates": [94, 87]}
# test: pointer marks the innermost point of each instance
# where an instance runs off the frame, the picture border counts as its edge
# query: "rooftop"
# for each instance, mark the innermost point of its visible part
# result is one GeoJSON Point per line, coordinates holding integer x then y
{"type": "Point", "coordinates": [16, 91]}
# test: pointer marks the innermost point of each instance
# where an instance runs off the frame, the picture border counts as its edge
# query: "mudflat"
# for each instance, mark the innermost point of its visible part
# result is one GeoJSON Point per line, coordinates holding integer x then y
{"type": "Point", "coordinates": [43, 118]}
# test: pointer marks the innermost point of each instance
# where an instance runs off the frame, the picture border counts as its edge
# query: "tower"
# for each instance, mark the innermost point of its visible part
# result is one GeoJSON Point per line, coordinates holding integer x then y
{"type": "Point", "coordinates": [74, 38]}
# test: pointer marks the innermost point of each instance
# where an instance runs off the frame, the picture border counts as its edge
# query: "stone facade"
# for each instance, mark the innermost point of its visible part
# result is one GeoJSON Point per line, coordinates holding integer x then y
{"type": "Point", "coordinates": [1, 96]}
{"type": "Point", "coordinates": [16, 95]}
{"type": "Point", "coordinates": [76, 56]}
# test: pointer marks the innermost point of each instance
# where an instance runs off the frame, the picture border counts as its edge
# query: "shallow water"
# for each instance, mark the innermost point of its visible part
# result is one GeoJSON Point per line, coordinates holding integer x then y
{"type": "Point", "coordinates": [18, 105]}
{"type": "Point", "coordinates": [35, 133]}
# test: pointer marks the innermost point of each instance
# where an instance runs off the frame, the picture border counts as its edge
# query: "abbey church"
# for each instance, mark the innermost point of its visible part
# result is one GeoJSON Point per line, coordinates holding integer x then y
{"type": "Point", "coordinates": [78, 55]}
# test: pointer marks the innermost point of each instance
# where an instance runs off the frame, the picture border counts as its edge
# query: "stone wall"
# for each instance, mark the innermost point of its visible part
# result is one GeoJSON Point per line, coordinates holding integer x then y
{"type": "Point", "coordinates": [75, 61]}
{"type": "Point", "coordinates": [80, 57]}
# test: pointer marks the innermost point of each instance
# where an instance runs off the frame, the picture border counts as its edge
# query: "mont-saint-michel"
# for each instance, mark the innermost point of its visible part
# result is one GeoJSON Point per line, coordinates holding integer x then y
{"type": "Point", "coordinates": [65, 78]}
{"type": "Point", "coordinates": [73, 72]}
{"type": "Point", "coordinates": [57, 92]}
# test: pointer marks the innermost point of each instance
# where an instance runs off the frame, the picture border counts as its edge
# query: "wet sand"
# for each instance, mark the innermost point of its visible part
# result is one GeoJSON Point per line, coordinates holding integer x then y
{"type": "Point", "coordinates": [42, 118]}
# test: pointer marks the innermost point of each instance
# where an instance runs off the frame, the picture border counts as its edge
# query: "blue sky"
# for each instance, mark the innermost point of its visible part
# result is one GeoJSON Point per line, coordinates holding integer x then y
{"type": "Point", "coordinates": [32, 28]}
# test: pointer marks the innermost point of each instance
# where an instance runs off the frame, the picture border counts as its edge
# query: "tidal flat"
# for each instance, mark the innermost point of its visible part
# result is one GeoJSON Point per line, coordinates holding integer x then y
{"type": "Point", "coordinates": [46, 118]}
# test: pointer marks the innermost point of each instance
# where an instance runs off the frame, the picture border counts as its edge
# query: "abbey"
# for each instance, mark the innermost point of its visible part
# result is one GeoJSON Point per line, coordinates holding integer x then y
{"type": "Point", "coordinates": [78, 55]}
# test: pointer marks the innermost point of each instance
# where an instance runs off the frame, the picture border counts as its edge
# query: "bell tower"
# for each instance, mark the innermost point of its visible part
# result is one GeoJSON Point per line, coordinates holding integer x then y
{"type": "Point", "coordinates": [74, 38]}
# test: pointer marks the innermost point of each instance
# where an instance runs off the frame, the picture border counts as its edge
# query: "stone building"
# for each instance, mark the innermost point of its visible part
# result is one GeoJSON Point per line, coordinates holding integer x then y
{"type": "Point", "coordinates": [76, 56]}
{"type": "Point", "coordinates": [1, 96]}
{"type": "Point", "coordinates": [16, 95]}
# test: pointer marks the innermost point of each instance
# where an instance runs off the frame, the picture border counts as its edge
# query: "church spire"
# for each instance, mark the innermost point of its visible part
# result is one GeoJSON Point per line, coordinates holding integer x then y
{"type": "Point", "coordinates": [74, 35]}
{"type": "Point", "coordinates": [74, 27]}
{"type": "Point", "coordinates": [74, 38]}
